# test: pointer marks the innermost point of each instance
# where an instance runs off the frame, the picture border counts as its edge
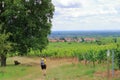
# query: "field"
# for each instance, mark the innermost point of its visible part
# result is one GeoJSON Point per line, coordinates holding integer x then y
{"type": "Point", "coordinates": [57, 69]}
{"type": "Point", "coordinates": [66, 61]}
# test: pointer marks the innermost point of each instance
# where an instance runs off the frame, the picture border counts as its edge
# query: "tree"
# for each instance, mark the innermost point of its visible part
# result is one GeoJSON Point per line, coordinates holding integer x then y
{"type": "Point", "coordinates": [115, 40]}
{"type": "Point", "coordinates": [29, 21]}
{"type": "Point", "coordinates": [5, 46]}
{"type": "Point", "coordinates": [82, 39]}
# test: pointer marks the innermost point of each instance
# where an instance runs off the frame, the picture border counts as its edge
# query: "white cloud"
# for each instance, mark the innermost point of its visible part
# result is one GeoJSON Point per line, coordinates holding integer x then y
{"type": "Point", "coordinates": [65, 2]}
{"type": "Point", "coordinates": [88, 8]}
{"type": "Point", "coordinates": [89, 12]}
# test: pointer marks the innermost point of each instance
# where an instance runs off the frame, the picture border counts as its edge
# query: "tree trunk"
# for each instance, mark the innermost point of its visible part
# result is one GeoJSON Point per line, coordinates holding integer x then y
{"type": "Point", "coordinates": [3, 60]}
{"type": "Point", "coordinates": [93, 63]}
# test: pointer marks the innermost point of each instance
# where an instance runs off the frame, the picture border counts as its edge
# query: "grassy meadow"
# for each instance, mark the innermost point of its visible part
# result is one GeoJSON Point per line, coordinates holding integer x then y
{"type": "Point", "coordinates": [65, 61]}
{"type": "Point", "coordinates": [65, 71]}
{"type": "Point", "coordinates": [57, 69]}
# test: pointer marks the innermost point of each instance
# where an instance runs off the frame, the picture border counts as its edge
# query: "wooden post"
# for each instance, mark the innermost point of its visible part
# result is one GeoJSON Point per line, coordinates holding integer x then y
{"type": "Point", "coordinates": [112, 63]}
{"type": "Point", "coordinates": [108, 64]}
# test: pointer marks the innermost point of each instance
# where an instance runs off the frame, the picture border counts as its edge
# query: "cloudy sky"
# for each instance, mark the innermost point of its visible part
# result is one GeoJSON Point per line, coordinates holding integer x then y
{"type": "Point", "coordinates": [86, 15]}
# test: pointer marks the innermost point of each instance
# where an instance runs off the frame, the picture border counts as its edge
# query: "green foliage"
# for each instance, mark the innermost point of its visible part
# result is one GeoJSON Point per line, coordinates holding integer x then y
{"type": "Point", "coordinates": [5, 46]}
{"type": "Point", "coordinates": [101, 56]}
{"type": "Point", "coordinates": [80, 50]}
{"type": "Point", "coordinates": [29, 22]}
{"type": "Point", "coordinates": [91, 52]}
{"type": "Point", "coordinates": [117, 57]}
{"type": "Point", "coordinates": [92, 56]}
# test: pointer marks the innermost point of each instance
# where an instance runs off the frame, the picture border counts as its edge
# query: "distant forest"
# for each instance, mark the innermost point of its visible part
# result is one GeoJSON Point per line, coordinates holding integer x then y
{"type": "Point", "coordinates": [61, 34]}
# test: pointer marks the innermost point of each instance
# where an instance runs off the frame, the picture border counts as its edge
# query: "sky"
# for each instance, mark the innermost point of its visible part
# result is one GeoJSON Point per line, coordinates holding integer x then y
{"type": "Point", "coordinates": [85, 15]}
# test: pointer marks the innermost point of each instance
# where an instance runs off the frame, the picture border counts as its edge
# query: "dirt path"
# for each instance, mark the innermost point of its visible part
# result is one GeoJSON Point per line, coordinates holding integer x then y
{"type": "Point", "coordinates": [35, 63]}
{"type": "Point", "coordinates": [35, 72]}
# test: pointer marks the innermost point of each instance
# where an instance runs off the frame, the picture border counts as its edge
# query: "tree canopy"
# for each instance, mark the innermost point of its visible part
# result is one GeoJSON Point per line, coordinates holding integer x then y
{"type": "Point", "coordinates": [29, 22]}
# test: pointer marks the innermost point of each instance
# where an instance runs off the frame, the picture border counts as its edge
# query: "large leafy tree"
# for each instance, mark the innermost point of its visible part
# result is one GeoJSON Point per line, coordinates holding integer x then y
{"type": "Point", "coordinates": [29, 21]}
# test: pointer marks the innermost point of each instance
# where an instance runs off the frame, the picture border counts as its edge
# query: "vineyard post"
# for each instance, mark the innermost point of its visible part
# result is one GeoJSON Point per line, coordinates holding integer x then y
{"type": "Point", "coordinates": [112, 63]}
{"type": "Point", "coordinates": [108, 65]}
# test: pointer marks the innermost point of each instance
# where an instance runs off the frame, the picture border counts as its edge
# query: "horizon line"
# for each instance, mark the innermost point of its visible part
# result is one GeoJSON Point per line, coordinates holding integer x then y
{"type": "Point", "coordinates": [85, 30]}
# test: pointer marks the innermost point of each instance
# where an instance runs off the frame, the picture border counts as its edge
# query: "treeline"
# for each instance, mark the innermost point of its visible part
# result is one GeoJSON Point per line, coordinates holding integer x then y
{"type": "Point", "coordinates": [84, 34]}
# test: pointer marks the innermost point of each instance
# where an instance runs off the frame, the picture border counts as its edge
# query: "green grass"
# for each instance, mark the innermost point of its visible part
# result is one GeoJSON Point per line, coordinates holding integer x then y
{"type": "Point", "coordinates": [71, 71]}
{"type": "Point", "coordinates": [12, 72]}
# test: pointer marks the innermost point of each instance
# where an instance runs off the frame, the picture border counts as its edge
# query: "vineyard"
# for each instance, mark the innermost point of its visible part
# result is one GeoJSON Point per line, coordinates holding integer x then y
{"type": "Point", "coordinates": [86, 60]}
{"type": "Point", "coordinates": [87, 51]}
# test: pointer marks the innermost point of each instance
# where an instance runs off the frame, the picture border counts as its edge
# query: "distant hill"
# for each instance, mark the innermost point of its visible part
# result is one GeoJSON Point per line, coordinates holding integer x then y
{"type": "Point", "coordinates": [61, 34]}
